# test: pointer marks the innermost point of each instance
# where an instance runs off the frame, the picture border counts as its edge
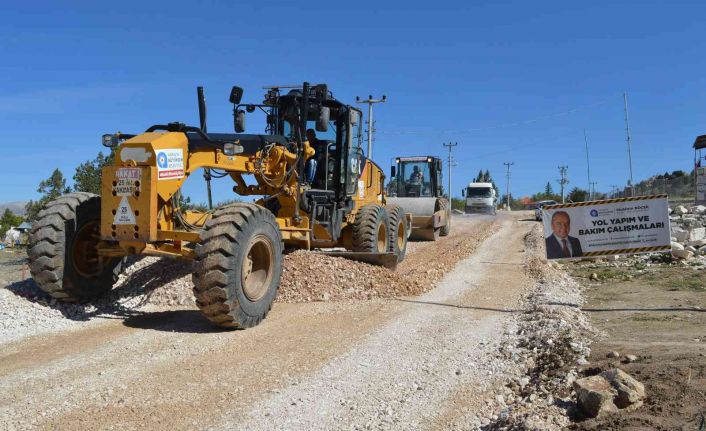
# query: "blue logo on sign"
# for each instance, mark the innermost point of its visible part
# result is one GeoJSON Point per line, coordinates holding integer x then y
{"type": "Point", "coordinates": [594, 213]}
{"type": "Point", "coordinates": [162, 160]}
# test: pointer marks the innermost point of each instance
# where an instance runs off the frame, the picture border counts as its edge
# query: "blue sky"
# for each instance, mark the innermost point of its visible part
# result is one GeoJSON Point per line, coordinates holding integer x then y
{"type": "Point", "coordinates": [467, 72]}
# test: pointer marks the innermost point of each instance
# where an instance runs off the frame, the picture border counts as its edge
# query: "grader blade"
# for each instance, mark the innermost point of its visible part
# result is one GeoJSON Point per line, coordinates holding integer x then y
{"type": "Point", "coordinates": [388, 260]}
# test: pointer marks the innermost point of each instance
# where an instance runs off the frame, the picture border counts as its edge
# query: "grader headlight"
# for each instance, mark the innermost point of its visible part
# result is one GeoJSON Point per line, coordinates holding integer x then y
{"type": "Point", "coordinates": [231, 149]}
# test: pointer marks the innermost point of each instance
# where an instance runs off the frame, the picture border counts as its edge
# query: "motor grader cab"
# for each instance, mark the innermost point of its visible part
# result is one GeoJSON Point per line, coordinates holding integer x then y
{"type": "Point", "coordinates": [416, 186]}
{"type": "Point", "coordinates": [79, 242]}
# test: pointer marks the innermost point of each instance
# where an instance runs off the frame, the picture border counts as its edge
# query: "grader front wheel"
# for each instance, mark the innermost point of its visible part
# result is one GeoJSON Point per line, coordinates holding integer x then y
{"type": "Point", "coordinates": [62, 251]}
{"type": "Point", "coordinates": [238, 265]}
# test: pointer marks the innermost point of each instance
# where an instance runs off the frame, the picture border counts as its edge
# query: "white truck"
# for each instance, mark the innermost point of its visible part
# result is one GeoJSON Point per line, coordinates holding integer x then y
{"type": "Point", "coordinates": [480, 198]}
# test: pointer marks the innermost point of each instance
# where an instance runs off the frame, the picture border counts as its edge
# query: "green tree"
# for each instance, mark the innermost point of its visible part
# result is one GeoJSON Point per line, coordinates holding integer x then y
{"type": "Point", "coordinates": [88, 174]}
{"type": "Point", "coordinates": [51, 188]}
{"type": "Point", "coordinates": [479, 177]}
{"type": "Point", "coordinates": [577, 195]}
{"type": "Point", "coordinates": [458, 203]}
{"type": "Point", "coordinates": [8, 220]}
{"type": "Point", "coordinates": [548, 190]}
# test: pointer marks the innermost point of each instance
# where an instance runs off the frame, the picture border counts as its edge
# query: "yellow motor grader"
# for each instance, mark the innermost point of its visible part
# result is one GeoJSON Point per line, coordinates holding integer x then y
{"type": "Point", "coordinates": [79, 243]}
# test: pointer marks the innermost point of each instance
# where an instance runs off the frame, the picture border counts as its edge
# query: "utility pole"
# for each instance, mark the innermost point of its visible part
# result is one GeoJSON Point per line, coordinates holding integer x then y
{"type": "Point", "coordinates": [370, 103]}
{"type": "Point", "coordinates": [588, 164]}
{"type": "Point", "coordinates": [627, 131]}
{"type": "Point", "coordinates": [507, 189]}
{"type": "Point", "coordinates": [450, 161]}
{"type": "Point", "coordinates": [593, 190]}
{"type": "Point", "coordinates": [563, 181]}
{"type": "Point", "coordinates": [614, 190]}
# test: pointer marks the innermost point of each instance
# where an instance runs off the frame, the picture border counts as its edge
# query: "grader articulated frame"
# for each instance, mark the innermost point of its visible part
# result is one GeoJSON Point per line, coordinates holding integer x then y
{"type": "Point", "coordinates": [79, 242]}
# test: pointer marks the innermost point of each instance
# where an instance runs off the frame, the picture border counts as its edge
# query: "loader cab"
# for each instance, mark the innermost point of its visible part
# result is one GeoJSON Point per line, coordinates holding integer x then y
{"type": "Point", "coordinates": [416, 177]}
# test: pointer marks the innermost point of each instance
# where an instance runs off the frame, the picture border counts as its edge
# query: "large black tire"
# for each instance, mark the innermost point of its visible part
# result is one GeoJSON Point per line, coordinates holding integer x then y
{"type": "Point", "coordinates": [62, 255]}
{"type": "Point", "coordinates": [370, 230]}
{"type": "Point", "coordinates": [398, 231]}
{"type": "Point", "coordinates": [444, 205]}
{"type": "Point", "coordinates": [238, 265]}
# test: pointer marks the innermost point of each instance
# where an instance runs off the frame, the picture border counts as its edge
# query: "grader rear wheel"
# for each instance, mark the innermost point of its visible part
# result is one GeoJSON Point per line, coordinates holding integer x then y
{"type": "Point", "coordinates": [62, 251]}
{"type": "Point", "coordinates": [370, 230]}
{"type": "Point", "coordinates": [398, 231]}
{"type": "Point", "coordinates": [238, 265]}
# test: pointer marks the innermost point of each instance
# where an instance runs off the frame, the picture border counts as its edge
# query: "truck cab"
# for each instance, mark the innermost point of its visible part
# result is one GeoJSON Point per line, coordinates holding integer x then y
{"type": "Point", "coordinates": [480, 198]}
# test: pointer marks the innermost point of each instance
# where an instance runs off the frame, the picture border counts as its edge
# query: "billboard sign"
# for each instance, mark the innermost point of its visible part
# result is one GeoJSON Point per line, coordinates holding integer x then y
{"type": "Point", "coordinates": [607, 227]}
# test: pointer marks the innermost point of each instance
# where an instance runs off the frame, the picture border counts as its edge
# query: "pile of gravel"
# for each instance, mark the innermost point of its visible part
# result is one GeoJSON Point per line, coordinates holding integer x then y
{"type": "Point", "coordinates": [149, 283]}
{"type": "Point", "coordinates": [310, 276]}
{"type": "Point", "coordinates": [553, 341]}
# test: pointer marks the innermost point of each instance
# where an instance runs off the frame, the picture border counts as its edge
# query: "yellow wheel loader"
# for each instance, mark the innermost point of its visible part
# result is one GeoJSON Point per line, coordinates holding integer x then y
{"type": "Point", "coordinates": [416, 187]}
{"type": "Point", "coordinates": [80, 241]}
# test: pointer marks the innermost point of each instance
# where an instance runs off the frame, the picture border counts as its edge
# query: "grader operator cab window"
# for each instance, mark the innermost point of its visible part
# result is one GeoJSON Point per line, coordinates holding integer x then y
{"type": "Point", "coordinates": [354, 163]}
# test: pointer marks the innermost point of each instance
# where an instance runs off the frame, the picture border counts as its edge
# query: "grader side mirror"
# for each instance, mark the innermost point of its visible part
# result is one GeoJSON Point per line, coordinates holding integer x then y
{"type": "Point", "coordinates": [239, 121]}
{"type": "Point", "coordinates": [463, 192]}
{"type": "Point", "coordinates": [392, 172]}
{"type": "Point", "coordinates": [236, 93]}
{"type": "Point", "coordinates": [109, 140]}
{"type": "Point", "coordinates": [322, 121]}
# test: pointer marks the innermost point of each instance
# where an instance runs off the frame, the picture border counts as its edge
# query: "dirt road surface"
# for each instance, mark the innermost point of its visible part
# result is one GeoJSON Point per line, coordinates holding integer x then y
{"type": "Point", "coordinates": [415, 362]}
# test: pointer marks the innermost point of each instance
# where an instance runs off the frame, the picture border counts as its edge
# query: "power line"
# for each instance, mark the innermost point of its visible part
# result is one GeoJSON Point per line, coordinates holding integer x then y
{"type": "Point", "coordinates": [588, 164]}
{"type": "Point", "coordinates": [592, 190]}
{"type": "Point", "coordinates": [370, 101]}
{"type": "Point", "coordinates": [499, 126]}
{"type": "Point", "coordinates": [507, 188]}
{"type": "Point", "coordinates": [450, 162]}
{"type": "Point", "coordinates": [563, 181]}
{"type": "Point", "coordinates": [627, 132]}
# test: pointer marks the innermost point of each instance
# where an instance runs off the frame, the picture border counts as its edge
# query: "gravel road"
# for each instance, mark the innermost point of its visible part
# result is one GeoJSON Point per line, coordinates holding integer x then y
{"type": "Point", "coordinates": [394, 361]}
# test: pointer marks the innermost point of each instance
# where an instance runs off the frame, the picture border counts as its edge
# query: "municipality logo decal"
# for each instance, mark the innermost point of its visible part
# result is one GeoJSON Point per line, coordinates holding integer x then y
{"type": "Point", "coordinates": [594, 213]}
{"type": "Point", "coordinates": [162, 160]}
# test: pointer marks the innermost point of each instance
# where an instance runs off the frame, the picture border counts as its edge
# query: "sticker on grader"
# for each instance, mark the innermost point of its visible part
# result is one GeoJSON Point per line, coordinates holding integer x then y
{"type": "Point", "coordinates": [128, 181]}
{"type": "Point", "coordinates": [124, 214]}
{"type": "Point", "coordinates": [170, 164]}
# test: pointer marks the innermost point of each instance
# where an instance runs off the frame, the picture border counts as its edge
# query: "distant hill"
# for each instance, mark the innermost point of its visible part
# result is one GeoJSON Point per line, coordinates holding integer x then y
{"type": "Point", "coordinates": [16, 207]}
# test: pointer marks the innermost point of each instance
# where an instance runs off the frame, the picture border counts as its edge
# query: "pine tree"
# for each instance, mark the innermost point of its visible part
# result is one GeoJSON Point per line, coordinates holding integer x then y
{"type": "Point", "coordinates": [548, 191]}
{"type": "Point", "coordinates": [479, 177]}
{"type": "Point", "coordinates": [51, 188]}
{"type": "Point", "coordinates": [88, 174]}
